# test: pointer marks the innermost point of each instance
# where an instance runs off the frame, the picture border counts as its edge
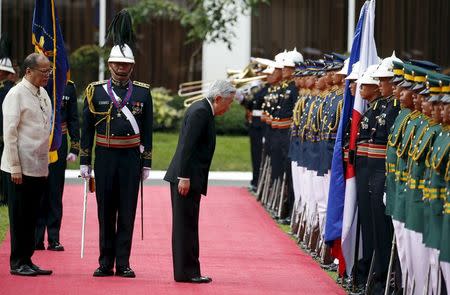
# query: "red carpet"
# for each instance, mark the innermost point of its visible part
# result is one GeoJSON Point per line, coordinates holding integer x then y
{"type": "Point", "coordinates": [241, 248]}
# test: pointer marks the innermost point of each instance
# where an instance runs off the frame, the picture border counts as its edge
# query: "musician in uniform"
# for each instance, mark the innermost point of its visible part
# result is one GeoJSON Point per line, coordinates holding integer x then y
{"type": "Point", "coordinates": [118, 114]}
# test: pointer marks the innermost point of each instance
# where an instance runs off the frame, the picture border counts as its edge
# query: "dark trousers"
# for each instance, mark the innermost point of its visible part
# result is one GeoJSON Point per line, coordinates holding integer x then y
{"type": "Point", "coordinates": [3, 181]}
{"type": "Point", "coordinates": [185, 245]}
{"type": "Point", "coordinates": [117, 174]}
{"type": "Point", "coordinates": [364, 218]}
{"type": "Point", "coordinates": [256, 135]}
{"type": "Point", "coordinates": [23, 204]}
{"type": "Point", "coordinates": [382, 223]}
{"type": "Point", "coordinates": [51, 208]}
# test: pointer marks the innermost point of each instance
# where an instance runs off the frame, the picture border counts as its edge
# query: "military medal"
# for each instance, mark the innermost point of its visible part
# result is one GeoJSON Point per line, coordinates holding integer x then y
{"type": "Point", "coordinates": [118, 103]}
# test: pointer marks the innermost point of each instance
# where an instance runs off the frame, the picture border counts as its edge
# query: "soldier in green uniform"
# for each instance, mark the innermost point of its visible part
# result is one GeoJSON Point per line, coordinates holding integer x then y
{"type": "Point", "coordinates": [118, 117]}
{"type": "Point", "coordinates": [394, 139]}
{"type": "Point", "coordinates": [412, 190]}
{"type": "Point", "coordinates": [434, 181]}
{"type": "Point", "coordinates": [6, 68]}
{"type": "Point", "coordinates": [444, 256]}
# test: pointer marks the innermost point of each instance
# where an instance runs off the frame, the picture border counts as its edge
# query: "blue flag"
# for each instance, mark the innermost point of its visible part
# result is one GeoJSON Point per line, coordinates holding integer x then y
{"type": "Point", "coordinates": [336, 196]}
{"type": "Point", "coordinates": [48, 40]}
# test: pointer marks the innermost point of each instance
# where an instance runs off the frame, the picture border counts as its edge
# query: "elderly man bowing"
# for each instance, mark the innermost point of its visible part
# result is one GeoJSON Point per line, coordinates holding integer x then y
{"type": "Point", "coordinates": [188, 177]}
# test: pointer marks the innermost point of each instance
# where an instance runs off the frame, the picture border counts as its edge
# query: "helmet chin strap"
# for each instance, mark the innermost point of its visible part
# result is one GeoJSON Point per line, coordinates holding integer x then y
{"type": "Point", "coordinates": [120, 83]}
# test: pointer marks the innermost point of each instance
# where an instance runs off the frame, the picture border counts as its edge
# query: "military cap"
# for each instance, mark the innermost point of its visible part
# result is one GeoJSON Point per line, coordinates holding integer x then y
{"type": "Point", "coordinates": [434, 85]}
{"type": "Point", "coordinates": [408, 76]}
{"type": "Point", "coordinates": [398, 72]}
{"type": "Point", "coordinates": [420, 77]}
{"type": "Point", "coordinates": [427, 65]}
{"type": "Point", "coordinates": [339, 57]}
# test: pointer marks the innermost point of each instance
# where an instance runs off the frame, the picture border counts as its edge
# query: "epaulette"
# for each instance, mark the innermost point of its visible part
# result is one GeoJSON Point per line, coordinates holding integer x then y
{"type": "Point", "coordinates": [99, 82]}
{"type": "Point", "coordinates": [70, 82]}
{"type": "Point", "coordinates": [141, 84]}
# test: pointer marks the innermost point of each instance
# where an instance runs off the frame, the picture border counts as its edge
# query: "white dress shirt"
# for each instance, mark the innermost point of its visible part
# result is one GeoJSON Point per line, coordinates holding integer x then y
{"type": "Point", "coordinates": [27, 114]}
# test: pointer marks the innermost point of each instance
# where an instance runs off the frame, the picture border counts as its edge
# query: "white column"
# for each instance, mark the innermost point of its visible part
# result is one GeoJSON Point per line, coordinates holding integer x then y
{"type": "Point", "coordinates": [217, 58]}
{"type": "Point", "coordinates": [350, 24]}
{"type": "Point", "coordinates": [101, 37]}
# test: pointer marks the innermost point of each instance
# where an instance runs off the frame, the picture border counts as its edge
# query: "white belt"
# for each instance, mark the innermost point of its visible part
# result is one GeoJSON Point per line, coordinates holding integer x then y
{"type": "Point", "coordinates": [257, 113]}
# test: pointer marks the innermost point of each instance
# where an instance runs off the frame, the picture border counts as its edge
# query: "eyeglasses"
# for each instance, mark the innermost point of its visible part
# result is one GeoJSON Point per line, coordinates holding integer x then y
{"type": "Point", "coordinates": [44, 72]}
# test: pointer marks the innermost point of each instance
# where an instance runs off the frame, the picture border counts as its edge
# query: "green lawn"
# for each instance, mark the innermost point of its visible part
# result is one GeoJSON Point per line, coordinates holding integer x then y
{"type": "Point", "coordinates": [4, 222]}
{"type": "Point", "coordinates": [232, 152]}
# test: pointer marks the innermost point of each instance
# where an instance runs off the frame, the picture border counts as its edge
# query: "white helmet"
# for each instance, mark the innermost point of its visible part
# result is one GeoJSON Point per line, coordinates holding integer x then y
{"type": "Point", "coordinates": [279, 59]}
{"type": "Point", "coordinates": [367, 77]}
{"type": "Point", "coordinates": [124, 55]}
{"type": "Point", "coordinates": [355, 72]}
{"type": "Point", "coordinates": [292, 57]}
{"type": "Point", "coordinates": [6, 65]}
{"type": "Point", "coordinates": [269, 70]}
{"type": "Point", "coordinates": [386, 68]}
{"type": "Point", "coordinates": [344, 69]}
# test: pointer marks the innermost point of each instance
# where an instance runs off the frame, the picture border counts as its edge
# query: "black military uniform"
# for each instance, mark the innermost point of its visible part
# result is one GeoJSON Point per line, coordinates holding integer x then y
{"type": "Point", "coordinates": [118, 160]}
{"type": "Point", "coordinates": [362, 173]}
{"type": "Point", "coordinates": [381, 223]}
{"type": "Point", "coordinates": [255, 131]}
{"type": "Point", "coordinates": [50, 212]}
{"type": "Point", "coordinates": [5, 86]}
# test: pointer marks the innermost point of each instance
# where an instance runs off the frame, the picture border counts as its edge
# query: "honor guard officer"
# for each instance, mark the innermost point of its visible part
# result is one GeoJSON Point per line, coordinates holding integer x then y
{"type": "Point", "coordinates": [381, 223]}
{"type": "Point", "coordinates": [6, 68]}
{"type": "Point", "coordinates": [118, 114]}
{"type": "Point", "coordinates": [51, 209]}
{"type": "Point", "coordinates": [254, 107]}
{"type": "Point", "coordinates": [370, 93]}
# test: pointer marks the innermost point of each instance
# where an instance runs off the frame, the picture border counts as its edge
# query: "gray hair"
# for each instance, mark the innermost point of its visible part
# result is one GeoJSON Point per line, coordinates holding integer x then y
{"type": "Point", "coordinates": [220, 88]}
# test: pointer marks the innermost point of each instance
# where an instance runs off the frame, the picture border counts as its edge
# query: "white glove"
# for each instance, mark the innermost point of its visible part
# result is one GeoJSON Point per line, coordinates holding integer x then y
{"type": "Point", "coordinates": [384, 199]}
{"type": "Point", "coordinates": [85, 171]}
{"type": "Point", "coordinates": [71, 157]}
{"type": "Point", "coordinates": [145, 173]}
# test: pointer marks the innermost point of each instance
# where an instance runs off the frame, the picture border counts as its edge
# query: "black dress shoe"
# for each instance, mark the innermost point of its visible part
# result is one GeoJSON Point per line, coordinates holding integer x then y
{"type": "Point", "coordinates": [23, 270]}
{"type": "Point", "coordinates": [103, 272]}
{"type": "Point", "coordinates": [55, 247]}
{"type": "Point", "coordinates": [125, 272]}
{"type": "Point", "coordinates": [39, 271]}
{"type": "Point", "coordinates": [197, 280]}
{"type": "Point", "coordinates": [39, 246]}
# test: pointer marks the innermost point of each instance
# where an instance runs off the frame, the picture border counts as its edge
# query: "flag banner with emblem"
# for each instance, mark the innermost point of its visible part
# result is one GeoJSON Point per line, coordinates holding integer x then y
{"type": "Point", "coordinates": [335, 206]}
{"type": "Point", "coordinates": [368, 56]}
{"type": "Point", "coordinates": [47, 39]}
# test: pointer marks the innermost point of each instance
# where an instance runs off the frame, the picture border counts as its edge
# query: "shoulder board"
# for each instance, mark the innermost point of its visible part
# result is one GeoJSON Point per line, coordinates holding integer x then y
{"type": "Point", "coordinates": [70, 82]}
{"type": "Point", "coordinates": [99, 83]}
{"type": "Point", "coordinates": [145, 85]}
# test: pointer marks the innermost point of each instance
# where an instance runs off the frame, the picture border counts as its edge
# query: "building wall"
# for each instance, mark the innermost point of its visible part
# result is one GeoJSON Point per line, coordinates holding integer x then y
{"type": "Point", "coordinates": [162, 57]}
{"type": "Point", "coordinates": [413, 28]}
{"type": "Point", "coordinates": [217, 58]}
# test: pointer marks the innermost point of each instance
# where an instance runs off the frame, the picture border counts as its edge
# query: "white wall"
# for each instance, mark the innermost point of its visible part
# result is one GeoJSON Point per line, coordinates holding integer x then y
{"type": "Point", "coordinates": [217, 58]}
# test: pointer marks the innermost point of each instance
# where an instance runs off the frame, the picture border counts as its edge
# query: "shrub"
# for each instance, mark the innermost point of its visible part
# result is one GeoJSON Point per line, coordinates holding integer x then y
{"type": "Point", "coordinates": [165, 115]}
{"type": "Point", "coordinates": [232, 122]}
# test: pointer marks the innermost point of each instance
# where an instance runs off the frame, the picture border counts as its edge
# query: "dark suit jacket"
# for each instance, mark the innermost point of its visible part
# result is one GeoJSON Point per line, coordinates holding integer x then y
{"type": "Point", "coordinates": [195, 147]}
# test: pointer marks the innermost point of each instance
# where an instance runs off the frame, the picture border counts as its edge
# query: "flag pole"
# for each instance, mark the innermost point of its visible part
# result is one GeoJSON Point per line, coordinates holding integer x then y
{"type": "Point", "coordinates": [101, 38]}
{"type": "Point", "coordinates": [350, 24]}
